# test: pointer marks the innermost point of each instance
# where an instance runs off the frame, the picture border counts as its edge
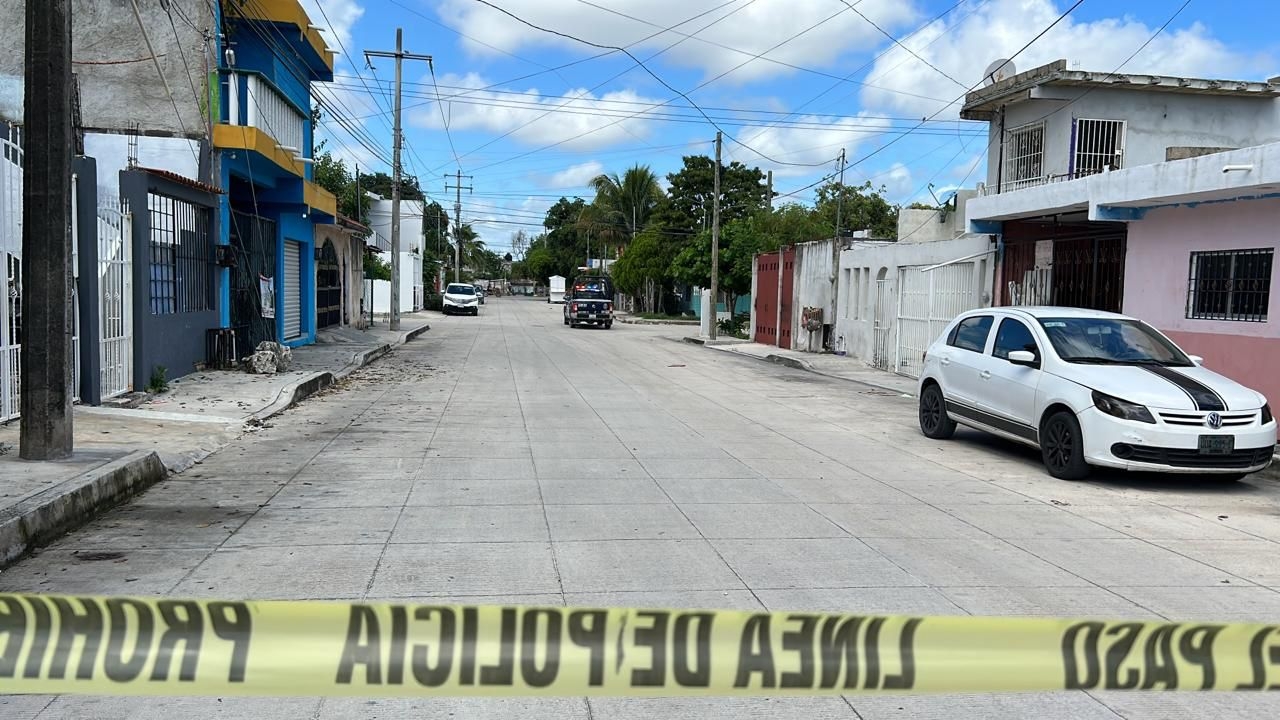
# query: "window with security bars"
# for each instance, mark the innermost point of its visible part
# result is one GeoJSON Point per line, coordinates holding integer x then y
{"type": "Point", "coordinates": [1023, 157]}
{"type": "Point", "coordinates": [181, 262]}
{"type": "Point", "coordinates": [1230, 285]}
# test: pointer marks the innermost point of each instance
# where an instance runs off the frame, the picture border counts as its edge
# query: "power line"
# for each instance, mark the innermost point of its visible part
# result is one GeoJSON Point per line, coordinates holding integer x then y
{"type": "Point", "coordinates": [618, 75]}
{"type": "Point", "coordinates": [1029, 43]}
{"type": "Point", "coordinates": [463, 92]}
{"type": "Point", "coordinates": [781, 63]}
{"type": "Point", "coordinates": [664, 83]}
{"type": "Point", "coordinates": [868, 64]}
{"type": "Point", "coordinates": [899, 43]}
{"type": "Point", "coordinates": [444, 120]}
{"type": "Point", "coordinates": [1088, 90]}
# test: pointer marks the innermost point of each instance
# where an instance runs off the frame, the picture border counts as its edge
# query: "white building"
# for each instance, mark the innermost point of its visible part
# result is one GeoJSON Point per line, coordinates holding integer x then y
{"type": "Point", "coordinates": [411, 235]}
{"type": "Point", "coordinates": [896, 297]}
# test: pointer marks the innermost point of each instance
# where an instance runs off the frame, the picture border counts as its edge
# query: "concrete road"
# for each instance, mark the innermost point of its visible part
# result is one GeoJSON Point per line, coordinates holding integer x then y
{"type": "Point", "coordinates": [507, 458]}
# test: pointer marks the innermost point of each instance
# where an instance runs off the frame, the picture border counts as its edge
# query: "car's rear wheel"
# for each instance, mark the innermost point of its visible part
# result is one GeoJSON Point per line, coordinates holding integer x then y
{"type": "Point", "coordinates": [1062, 447]}
{"type": "Point", "coordinates": [608, 324]}
{"type": "Point", "coordinates": [934, 421]}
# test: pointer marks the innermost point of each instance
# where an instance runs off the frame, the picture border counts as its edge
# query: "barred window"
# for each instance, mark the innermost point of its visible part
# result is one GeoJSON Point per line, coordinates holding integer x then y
{"type": "Point", "coordinates": [1230, 285]}
{"type": "Point", "coordinates": [181, 266]}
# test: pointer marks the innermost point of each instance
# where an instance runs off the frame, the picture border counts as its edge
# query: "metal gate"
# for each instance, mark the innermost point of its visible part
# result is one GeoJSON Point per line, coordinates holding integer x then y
{"type": "Point", "coordinates": [775, 287]}
{"type": "Point", "coordinates": [880, 353]}
{"type": "Point", "coordinates": [291, 278]}
{"type": "Point", "coordinates": [10, 269]}
{"type": "Point", "coordinates": [115, 289]}
{"type": "Point", "coordinates": [329, 288]}
{"type": "Point", "coordinates": [929, 297]}
{"type": "Point", "coordinates": [253, 240]}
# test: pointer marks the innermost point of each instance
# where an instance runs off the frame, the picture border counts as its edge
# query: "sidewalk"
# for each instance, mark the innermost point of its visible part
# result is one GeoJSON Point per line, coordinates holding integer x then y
{"type": "Point", "coordinates": [630, 319]}
{"type": "Point", "coordinates": [836, 366]}
{"type": "Point", "coordinates": [120, 451]}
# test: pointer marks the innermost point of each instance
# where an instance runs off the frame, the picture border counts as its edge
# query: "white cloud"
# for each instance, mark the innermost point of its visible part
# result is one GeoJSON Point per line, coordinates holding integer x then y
{"type": "Point", "coordinates": [897, 182]}
{"type": "Point", "coordinates": [965, 45]}
{"type": "Point", "coordinates": [342, 16]}
{"type": "Point", "coordinates": [576, 176]}
{"type": "Point", "coordinates": [753, 29]}
{"type": "Point", "coordinates": [816, 143]}
{"type": "Point", "coordinates": [574, 118]}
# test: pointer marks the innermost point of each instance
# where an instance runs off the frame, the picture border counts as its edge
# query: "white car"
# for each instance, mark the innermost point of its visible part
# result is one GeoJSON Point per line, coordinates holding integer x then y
{"type": "Point", "coordinates": [1091, 388]}
{"type": "Point", "coordinates": [460, 298]}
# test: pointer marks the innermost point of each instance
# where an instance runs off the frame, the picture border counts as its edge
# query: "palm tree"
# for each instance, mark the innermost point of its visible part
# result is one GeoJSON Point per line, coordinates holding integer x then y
{"type": "Point", "coordinates": [468, 245]}
{"type": "Point", "coordinates": [623, 204]}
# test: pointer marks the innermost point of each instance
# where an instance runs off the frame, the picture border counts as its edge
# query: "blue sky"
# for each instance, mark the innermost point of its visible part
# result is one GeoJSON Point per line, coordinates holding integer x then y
{"type": "Point", "coordinates": [532, 115]}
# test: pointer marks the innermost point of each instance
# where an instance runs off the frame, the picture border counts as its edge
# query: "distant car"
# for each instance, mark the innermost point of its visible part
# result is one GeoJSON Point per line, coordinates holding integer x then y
{"type": "Point", "coordinates": [589, 301]}
{"type": "Point", "coordinates": [479, 293]}
{"type": "Point", "coordinates": [460, 299]}
{"type": "Point", "coordinates": [1091, 388]}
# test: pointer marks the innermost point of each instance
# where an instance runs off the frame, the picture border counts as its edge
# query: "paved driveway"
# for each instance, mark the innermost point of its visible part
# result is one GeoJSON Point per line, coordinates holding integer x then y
{"type": "Point", "coordinates": [507, 458]}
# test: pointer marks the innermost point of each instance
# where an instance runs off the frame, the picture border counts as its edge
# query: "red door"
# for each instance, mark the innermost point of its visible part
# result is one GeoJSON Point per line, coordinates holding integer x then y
{"type": "Point", "coordinates": [768, 267]}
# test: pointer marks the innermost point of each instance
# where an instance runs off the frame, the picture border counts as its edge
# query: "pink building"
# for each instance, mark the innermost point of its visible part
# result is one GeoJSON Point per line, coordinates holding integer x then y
{"type": "Point", "coordinates": [1204, 275]}
{"type": "Point", "coordinates": [1186, 245]}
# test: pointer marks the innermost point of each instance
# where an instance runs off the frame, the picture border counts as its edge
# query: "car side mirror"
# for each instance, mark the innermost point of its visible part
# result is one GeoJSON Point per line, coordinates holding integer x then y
{"type": "Point", "coordinates": [1024, 357]}
{"type": "Point", "coordinates": [1196, 359]}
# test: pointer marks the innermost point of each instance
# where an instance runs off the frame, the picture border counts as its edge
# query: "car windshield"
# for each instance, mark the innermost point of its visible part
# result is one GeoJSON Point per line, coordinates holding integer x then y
{"type": "Point", "coordinates": [1111, 341]}
{"type": "Point", "coordinates": [460, 290]}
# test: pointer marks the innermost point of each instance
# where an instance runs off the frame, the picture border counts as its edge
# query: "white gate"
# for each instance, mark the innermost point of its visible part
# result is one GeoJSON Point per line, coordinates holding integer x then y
{"type": "Point", "coordinates": [115, 291]}
{"type": "Point", "coordinates": [10, 270]}
{"type": "Point", "coordinates": [292, 280]}
{"type": "Point", "coordinates": [928, 299]}
{"type": "Point", "coordinates": [880, 355]}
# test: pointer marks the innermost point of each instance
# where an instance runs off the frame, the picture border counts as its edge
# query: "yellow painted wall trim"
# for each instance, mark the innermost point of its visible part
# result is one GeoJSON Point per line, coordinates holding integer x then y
{"type": "Point", "coordinates": [320, 199]}
{"type": "Point", "coordinates": [285, 11]}
{"type": "Point", "coordinates": [243, 137]}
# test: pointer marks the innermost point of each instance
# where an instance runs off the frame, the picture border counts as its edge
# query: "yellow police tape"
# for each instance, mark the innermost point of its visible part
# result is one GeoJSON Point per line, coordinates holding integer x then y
{"type": "Point", "coordinates": [137, 646]}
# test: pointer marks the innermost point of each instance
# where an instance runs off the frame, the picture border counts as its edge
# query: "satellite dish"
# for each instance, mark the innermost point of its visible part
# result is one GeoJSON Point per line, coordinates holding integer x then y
{"type": "Point", "coordinates": [997, 71]}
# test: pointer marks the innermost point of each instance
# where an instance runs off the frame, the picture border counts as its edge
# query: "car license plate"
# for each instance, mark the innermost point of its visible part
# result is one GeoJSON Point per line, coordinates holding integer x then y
{"type": "Point", "coordinates": [1217, 444]}
{"type": "Point", "coordinates": [591, 316]}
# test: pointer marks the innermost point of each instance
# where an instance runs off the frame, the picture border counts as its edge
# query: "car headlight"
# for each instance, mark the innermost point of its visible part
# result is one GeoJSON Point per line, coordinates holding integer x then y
{"type": "Point", "coordinates": [1122, 409]}
{"type": "Point", "coordinates": [1266, 413]}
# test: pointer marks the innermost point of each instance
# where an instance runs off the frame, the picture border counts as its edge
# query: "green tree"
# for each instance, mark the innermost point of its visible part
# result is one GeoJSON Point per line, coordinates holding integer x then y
{"type": "Point", "coordinates": [332, 174]}
{"type": "Point", "coordinates": [743, 190]}
{"type": "Point", "coordinates": [375, 268]}
{"type": "Point", "coordinates": [623, 205]}
{"type": "Point", "coordinates": [643, 270]}
{"type": "Point", "coordinates": [379, 183]}
{"type": "Point", "coordinates": [859, 207]}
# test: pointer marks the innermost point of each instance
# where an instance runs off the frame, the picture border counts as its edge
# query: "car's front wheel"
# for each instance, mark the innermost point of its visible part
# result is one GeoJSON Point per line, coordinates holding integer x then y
{"type": "Point", "coordinates": [1062, 447]}
{"type": "Point", "coordinates": [934, 421]}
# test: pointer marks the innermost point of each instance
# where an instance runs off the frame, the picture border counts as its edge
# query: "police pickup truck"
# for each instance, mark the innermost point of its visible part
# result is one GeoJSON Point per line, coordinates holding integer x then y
{"type": "Point", "coordinates": [589, 301]}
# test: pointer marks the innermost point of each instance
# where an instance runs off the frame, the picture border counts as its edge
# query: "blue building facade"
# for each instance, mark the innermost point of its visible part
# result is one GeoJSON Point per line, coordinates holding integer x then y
{"type": "Point", "coordinates": [264, 140]}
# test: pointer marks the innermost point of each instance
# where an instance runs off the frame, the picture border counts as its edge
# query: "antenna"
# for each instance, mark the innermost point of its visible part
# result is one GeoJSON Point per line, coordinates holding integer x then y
{"type": "Point", "coordinates": [997, 71]}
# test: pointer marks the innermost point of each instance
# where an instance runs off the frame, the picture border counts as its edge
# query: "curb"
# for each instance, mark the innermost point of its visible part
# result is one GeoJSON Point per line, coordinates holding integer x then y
{"type": "Point", "coordinates": [645, 321]}
{"type": "Point", "coordinates": [796, 364]}
{"type": "Point", "coordinates": [74, 502]}
{"type": "Point", "coordinates": [301, 390]}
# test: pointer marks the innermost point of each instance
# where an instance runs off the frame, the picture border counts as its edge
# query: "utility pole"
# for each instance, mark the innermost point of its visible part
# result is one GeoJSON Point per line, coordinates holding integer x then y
{"type": "Point", "coordinates": [715, 246]}
{"type": "Point", "coordinates": [840, 197]}
{"type": "Point", "coordinates": [457, 220]}
{"type": "Point", "coordinates": [45, 427]}
{"type": "Point", "coordinates": [397, 139]}
{"type": "Point", "coordinates": [769, 193]}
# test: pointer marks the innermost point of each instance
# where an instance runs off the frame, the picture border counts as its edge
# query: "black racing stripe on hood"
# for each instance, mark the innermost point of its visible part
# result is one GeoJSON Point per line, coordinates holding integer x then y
{"type": "Point", "coordinates": [1202, 395]}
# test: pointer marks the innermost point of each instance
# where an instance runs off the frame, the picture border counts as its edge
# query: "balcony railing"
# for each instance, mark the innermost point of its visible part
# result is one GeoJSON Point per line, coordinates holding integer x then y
{"type": "Point", "coordinates": [251, 101]}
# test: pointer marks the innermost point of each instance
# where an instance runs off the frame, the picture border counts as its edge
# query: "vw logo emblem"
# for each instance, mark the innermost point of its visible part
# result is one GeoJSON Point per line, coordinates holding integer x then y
{"type": "Point", "coordinates": [1213, 420]}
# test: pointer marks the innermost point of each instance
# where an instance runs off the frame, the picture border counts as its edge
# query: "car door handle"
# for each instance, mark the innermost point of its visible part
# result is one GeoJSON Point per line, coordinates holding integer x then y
{"type": "Point", "coordinates": [985, 374]}
{"type": "Point", "coordinates": [944, 360]}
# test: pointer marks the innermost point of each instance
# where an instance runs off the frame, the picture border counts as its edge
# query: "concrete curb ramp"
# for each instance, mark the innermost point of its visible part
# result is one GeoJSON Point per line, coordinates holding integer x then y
{"type": "Point", "coordinates": [293, 394]}
{"type": "Point", "coordinates": [71, 503]}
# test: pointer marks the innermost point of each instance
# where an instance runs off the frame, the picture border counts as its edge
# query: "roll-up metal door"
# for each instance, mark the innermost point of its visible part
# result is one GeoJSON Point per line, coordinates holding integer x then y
{"type": "Point", "coordinates": [292, 278]}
